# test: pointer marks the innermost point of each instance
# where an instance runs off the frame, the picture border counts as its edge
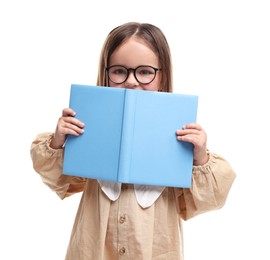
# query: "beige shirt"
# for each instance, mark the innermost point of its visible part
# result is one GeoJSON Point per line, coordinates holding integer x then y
{"type": "Point", "coordinates": [106, 229]}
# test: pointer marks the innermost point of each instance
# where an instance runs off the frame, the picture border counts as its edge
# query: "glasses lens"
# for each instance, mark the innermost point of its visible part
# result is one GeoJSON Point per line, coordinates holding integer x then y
{"type": "Point", "coordinates": [145, 74]}
{"type": "Point", "coordinates": [118, 74]}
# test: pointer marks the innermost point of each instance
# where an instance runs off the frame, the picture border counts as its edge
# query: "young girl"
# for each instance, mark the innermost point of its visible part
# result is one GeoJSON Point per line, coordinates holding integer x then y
{"type": "Point", "coordinates": [125, 221]}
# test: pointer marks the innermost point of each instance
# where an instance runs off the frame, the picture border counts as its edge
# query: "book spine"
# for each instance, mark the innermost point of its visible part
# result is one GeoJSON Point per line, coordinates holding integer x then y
{"type": "Point", "coordinates": [127, 139]}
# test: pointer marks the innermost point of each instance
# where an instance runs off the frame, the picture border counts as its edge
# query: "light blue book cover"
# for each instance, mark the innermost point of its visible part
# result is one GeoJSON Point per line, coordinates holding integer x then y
{"type": "Point", "coordinates": [130, 136]}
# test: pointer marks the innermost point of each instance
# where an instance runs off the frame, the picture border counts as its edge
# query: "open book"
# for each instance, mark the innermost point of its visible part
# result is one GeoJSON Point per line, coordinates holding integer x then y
{"type": "Point", "coordinates": [130, 136]}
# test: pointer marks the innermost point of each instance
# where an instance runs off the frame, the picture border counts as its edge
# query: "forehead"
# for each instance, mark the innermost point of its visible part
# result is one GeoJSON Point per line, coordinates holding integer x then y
{"type": "Point", "coordinates": [134, 52]}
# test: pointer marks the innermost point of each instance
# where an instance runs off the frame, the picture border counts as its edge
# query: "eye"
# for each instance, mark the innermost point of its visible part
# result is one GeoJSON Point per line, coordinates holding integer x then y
{"type": "Point", "coordinates": [145, 71]}
{"type": "Point", "coordinates": [119, 71]}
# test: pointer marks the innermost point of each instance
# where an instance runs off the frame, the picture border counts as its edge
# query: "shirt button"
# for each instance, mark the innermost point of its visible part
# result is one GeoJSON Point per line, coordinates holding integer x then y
{"type": "Point", "coordinates": [124, 186]}
{"type": "Point", "coordinates": [122, 219]}
{"type": "Point", "coordinates": [122, 251]}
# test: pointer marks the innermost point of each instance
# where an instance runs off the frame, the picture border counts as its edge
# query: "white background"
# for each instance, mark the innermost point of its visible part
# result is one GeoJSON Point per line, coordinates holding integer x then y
{"type": "Point", "coordinates": [220, 51]}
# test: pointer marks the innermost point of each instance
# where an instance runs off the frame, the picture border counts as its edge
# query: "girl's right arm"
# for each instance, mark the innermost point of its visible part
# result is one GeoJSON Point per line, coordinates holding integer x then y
{"type": "Point", "coordinates": [67, 124]}
{"type": "Point", "coordinates": [47, 156]}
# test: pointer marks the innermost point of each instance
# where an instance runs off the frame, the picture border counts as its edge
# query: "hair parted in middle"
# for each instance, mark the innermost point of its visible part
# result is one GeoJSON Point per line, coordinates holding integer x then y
{"type": "Point", "coordinates": [153, 38]}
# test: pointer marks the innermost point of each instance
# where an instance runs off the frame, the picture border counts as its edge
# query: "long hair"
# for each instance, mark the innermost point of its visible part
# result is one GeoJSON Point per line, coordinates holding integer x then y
{"type": "Point", "coordinates": [152, 36]}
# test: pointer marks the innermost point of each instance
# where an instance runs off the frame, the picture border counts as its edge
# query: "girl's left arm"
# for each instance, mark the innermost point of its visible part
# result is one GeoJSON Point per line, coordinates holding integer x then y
{"type": "Point", "coordinates": [211, 184]}
{"type": "Point", "coordinates": [212, 176]}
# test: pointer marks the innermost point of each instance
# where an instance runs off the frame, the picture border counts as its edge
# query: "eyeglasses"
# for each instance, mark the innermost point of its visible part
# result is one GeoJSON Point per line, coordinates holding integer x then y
{"type": "Point", "coordinates": [143, 74]}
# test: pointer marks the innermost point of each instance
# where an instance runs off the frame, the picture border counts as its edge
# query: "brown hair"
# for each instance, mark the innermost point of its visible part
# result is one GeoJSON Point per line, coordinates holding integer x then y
{"type": "Point", "coordinates": [152, 36]}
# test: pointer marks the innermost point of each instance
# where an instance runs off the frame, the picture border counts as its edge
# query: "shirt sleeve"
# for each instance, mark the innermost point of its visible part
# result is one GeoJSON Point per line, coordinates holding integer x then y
{"type": "Point", "coordinates": [211, 184]}
{"type": "Point", "coordinates": [48, 163]}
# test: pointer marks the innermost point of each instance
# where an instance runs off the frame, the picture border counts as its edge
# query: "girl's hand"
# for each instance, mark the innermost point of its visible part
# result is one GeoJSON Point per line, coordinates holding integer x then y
{"type": "Point", "coordinates": [66, 124]}
{"type": "Point", "coordinates": [194, 133]}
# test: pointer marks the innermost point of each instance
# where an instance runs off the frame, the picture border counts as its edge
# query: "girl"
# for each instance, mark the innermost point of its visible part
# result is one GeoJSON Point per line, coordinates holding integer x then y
{"type": "Point", "coordinates": [125, 221]}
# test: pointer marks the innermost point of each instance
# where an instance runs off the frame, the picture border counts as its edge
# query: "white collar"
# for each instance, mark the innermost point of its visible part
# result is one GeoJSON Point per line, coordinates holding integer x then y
{"type": "Point", "coordinates": [146, 195]}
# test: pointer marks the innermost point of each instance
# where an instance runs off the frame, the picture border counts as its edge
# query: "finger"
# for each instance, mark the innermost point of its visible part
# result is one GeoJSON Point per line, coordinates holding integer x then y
{"type": "Point", "coordinates": [73, 120]}
{"type": "Point", "coordinates": [68, 112]}
{"type": "Point", "coordinates": [194, 139]}
{"type": "Point", "coordinates": [191, 131]}
{"type": "Point", "coordinates": [72, 129]}
{"type": "Point", "coordinates": [187, 138]}
{"type": "Point", "coordinates": [192, 126]}
{"type": "Point", "coordinates": [72, 123]}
